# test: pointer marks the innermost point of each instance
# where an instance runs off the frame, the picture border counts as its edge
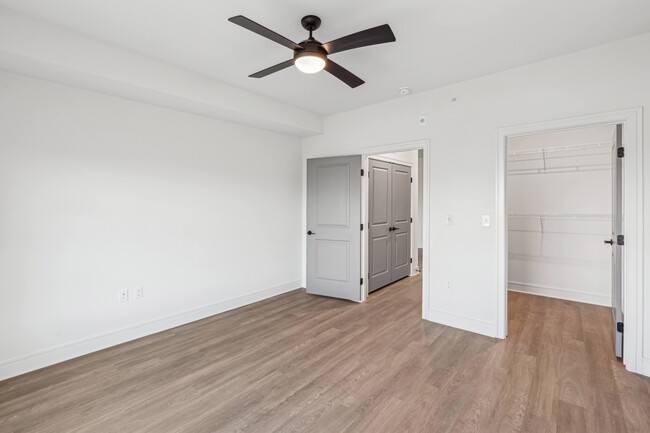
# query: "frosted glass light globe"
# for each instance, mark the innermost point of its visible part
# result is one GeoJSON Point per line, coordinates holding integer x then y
{"type": "Point", "coordinates": [310, 64]}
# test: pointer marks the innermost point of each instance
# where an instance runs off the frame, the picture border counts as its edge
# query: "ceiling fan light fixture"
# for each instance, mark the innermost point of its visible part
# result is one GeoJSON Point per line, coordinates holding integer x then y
{"type": "Point", "coordinates": [309, 62]}
{"type": "Point", "coordinates": [310, 55]}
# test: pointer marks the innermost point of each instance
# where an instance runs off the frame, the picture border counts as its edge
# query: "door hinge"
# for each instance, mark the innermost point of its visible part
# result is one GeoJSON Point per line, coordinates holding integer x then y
{"type": "Point", "coordinates": [619, 327]}
{"type": "Point", "coordinates": [361, 227]}
{"type": "Point", "coordinates": [362, 172]}
{"type": "Point", "coordinates": [361, 281]}
{"type": "Point", "coordinates": [620, 152]}
{"type": "Point", "coordinates": [411, 260]}
{"type": "Point", "coordinates": [620, 240]}
{"type": "Point", "coordinates": [411, 180]}
{"type": "Point", "coordinates": [411, 220]}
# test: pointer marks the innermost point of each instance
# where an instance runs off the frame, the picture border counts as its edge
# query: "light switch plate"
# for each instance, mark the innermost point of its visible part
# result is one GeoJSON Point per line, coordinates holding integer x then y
{"type": "Point", "coordinates": [485, 220]}
{"type": "Point", "coordinates": [449, 220]}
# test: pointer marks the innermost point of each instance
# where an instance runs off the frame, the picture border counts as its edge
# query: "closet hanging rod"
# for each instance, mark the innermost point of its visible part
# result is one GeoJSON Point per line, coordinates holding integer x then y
{"type": "Point", "coordinates": [560, 159]}
{"type": "Point", "coordinates": [539, 156]}
{"type": "Point", "coordinates": [590, 217]}
{"type": "Point", "coordinates": [584, 167]}
{"type": "Point", "coordinates": [586, 146]}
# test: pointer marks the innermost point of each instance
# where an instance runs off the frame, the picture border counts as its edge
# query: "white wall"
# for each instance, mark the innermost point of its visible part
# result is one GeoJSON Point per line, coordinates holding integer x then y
{"type": "Point", "coordinates": [562, 257]}
{"type": "Point", "coordinates": [463, 137]}
{"type": "Point", "coordinates": [99, 193]}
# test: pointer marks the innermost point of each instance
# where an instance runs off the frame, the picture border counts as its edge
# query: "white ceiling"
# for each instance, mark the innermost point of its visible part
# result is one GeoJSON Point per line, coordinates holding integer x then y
{"type": "Point", "coordinates": [438, 42]}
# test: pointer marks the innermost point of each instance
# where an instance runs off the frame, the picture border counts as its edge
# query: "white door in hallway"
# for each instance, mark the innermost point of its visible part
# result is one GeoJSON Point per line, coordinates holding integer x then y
{"type": "Point", "coordinates": [334, 227]}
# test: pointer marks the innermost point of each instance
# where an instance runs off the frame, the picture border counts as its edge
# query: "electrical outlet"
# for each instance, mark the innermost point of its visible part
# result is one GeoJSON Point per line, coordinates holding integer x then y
{"type": "Point", "coordinates": [449, 220]}
{"type": "Point", "coordinates": [450, 286]}
{"type": "Point", "coordinates": [485, 220]}
{"type": "Point", "coordinates": [139, 292]}
{"type": "Point", "coordinates": [124, 295]}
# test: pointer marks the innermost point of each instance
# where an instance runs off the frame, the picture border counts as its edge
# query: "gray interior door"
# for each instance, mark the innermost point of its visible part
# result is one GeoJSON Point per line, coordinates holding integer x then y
{"type": "Point", "coordinates": [333, 227]}
{"type": "Point", "coordinates": [401, 202]}
{"type": "Point", "coordinates": [389, 223]}
{"type": "Point", "coordinates": [617, 240]}
{"type": "Point", "coordinates": [379, 221]}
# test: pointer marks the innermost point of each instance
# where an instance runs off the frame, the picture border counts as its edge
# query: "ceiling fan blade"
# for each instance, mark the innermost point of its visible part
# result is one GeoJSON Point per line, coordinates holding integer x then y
{"type": "Point", "coordinates": [343, 74]}
{"type": "Point", "coordinates": [272, 69]}
{"type": "Point", "coordinates": [241, 20]}
{"type": "Point", "coordinates": [376, 35]}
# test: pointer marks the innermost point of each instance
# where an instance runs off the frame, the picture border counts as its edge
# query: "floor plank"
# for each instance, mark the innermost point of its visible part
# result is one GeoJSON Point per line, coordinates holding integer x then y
{"type": "Point", "coordinates": [301, 363]}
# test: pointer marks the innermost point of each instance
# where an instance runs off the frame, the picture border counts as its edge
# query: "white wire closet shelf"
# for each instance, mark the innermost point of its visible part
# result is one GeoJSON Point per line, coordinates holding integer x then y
{"type": "Point", "coordinates": [569, 224]}
{"type": "Point", "coordinates": [578, 157]}
{"type": "Point", "coordinates": [575, 239]}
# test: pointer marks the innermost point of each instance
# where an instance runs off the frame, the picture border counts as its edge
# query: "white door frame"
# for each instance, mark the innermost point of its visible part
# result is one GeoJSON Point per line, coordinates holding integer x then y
{"type": "Point", "coordinates": [633, 220]}
{"type": "Point", "coordinates": [365, 154]}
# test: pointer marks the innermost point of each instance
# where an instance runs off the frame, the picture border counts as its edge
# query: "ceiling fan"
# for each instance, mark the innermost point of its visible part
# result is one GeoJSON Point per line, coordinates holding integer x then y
{"type": "Point", "coordinates": [310, 55]}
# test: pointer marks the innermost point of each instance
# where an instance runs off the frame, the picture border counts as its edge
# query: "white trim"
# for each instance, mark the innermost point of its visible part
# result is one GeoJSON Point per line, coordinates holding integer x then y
{"type": "Point", "coordinates": [633, 214]}
{"type": "Point", "coordinates": [645, 366]}
{"type": "Point", "coordinates": [460, 321]}
{"type": "Point", "coordinates": [34, 361]}
{"type": "Point", "coordinates": [558, 293]}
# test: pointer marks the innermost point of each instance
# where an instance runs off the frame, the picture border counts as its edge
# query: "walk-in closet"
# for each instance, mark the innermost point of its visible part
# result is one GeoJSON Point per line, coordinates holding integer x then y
{"type": "Point", "coordinates": [562, 202]}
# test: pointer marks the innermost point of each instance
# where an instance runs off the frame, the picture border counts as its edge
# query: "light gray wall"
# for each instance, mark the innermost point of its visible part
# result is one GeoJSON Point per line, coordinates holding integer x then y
{"type": "Point", "coordinates": [99, 193]}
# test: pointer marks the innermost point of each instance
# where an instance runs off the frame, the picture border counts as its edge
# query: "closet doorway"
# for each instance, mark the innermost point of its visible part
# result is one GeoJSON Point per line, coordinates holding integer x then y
{"type": "Point", "coordinates": [393, 218]}
{"type": "Point", "coordinates": [564, 202]}
{"type": "Point", "coordinates": [389, 223]}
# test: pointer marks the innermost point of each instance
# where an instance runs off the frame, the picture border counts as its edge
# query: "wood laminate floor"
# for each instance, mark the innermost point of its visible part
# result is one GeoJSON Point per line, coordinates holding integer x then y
{"type": "Point", "coordinates": [301, 363]}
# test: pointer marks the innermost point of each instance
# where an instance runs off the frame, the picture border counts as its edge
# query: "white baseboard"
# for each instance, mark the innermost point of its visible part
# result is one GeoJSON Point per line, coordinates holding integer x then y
{"type": "Point", "coordinates": [44, 358]}
{"type": "Point", "coordinates": [566, 294]}
{"type": "Point", "coordinates": [463, 322]}
{"type": "Point", "coordinates": [645, 367]}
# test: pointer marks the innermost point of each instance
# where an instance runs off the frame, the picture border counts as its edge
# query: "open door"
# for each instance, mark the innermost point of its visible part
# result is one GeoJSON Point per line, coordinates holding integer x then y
{"type": "Point", "coordinates": [401, 215]}
{"type": "Point", "coordinates": [617, 241]}
{"type": "Point", "coordinates": [334, 227]}
{"type": "Point", "coordinates": [379, 224]}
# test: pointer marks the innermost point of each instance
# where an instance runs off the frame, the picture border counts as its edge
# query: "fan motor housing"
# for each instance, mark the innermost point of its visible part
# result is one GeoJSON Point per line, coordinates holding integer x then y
{"type": "Point", "coordinates": [311, 48]}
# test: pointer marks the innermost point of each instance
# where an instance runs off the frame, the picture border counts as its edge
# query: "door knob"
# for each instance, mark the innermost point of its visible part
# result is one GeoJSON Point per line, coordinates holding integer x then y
{"type": "Point", "coordinates": [611, 242]}
{"type": "Point", "coordinates": [310, 233]}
